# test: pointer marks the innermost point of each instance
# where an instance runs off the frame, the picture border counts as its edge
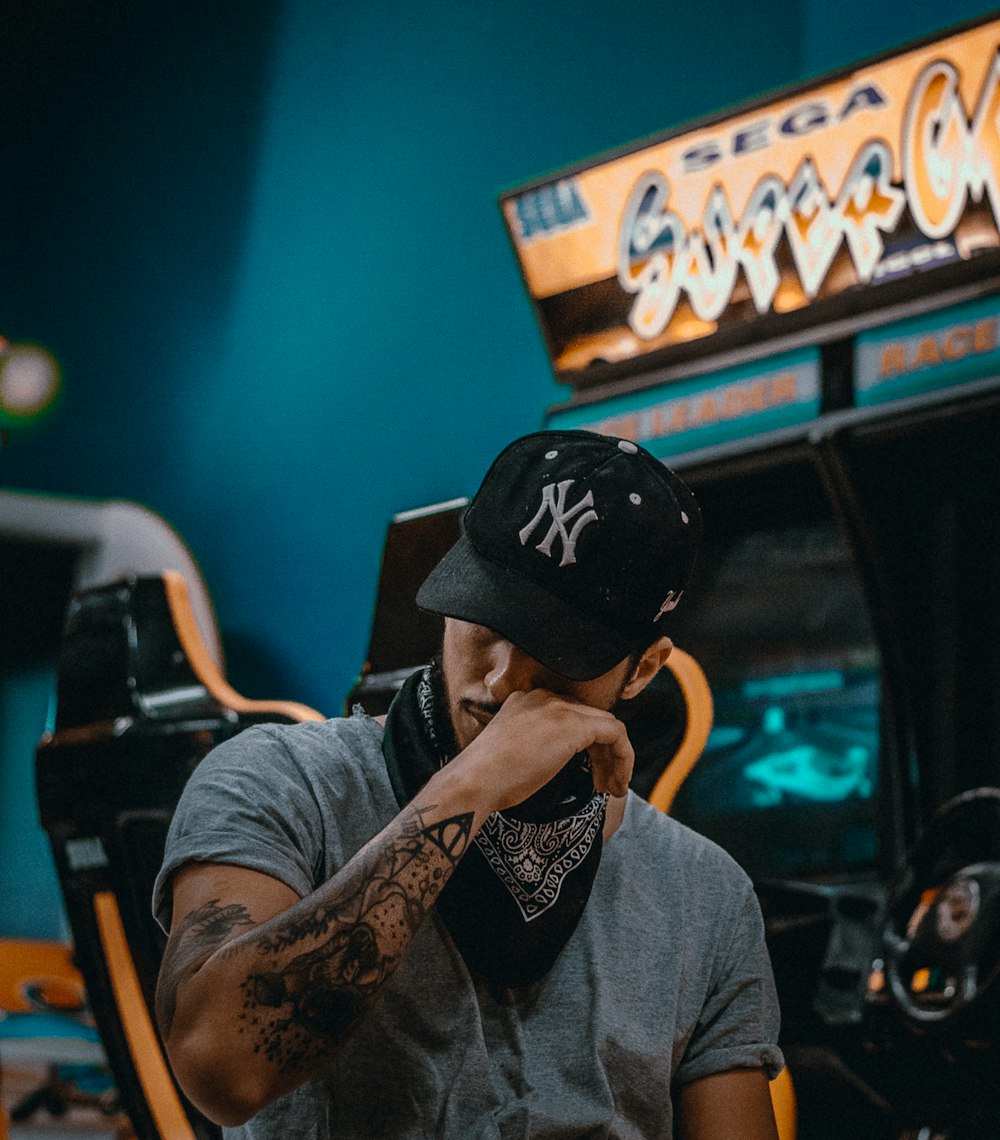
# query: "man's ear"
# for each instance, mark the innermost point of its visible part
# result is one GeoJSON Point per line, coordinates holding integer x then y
{"type": "Point", "coordinates": [649, 664]}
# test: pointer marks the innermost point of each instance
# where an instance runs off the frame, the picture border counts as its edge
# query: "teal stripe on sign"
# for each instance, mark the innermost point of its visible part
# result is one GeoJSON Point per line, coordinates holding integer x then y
{"type": "Point", "coordinates": [927, 353]}
{"type": "Point", "coordinates": [706, 410]}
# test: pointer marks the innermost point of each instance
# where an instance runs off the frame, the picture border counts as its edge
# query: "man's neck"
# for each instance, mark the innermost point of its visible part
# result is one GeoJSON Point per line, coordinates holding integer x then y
{"type": "Point", "coordinates": [614, 814]}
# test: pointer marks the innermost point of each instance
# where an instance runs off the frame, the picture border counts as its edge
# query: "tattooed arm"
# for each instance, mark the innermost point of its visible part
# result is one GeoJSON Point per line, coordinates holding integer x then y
{"type": "Point", "coordinates": [258, 988]}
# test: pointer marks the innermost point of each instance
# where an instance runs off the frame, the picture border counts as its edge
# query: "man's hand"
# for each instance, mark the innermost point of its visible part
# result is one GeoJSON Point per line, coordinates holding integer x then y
{"type": "Point", "coordinates": [533, 736]}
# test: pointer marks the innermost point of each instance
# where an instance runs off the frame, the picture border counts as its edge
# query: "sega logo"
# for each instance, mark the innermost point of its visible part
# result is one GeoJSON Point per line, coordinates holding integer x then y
{"type": "Point", "coordinates": [551, 209]}
{"type": "Point", "coordinates": [800, 120]}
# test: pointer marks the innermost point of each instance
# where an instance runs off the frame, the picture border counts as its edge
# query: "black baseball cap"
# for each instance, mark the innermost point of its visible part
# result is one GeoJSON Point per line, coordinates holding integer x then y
{"type": "Point", "coordinates": [573, 549]}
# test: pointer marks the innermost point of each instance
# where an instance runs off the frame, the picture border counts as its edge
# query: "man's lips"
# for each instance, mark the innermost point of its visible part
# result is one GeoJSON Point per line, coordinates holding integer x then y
{"type": "Point", "coordinates": [481, 713]}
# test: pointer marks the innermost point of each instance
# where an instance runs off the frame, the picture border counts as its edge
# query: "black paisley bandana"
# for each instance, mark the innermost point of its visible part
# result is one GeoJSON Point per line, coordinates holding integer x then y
{"type": "Point", "coordinates": [519, 891]}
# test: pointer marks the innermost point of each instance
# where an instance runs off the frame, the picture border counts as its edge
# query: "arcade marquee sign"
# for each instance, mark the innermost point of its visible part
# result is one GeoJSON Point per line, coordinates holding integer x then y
{"type": "Point", "coordinates": [878, 175]}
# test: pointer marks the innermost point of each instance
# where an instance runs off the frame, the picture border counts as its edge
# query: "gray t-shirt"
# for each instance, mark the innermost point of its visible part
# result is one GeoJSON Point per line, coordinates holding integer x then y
{"type": "Point", "coordinates": [665, 980]}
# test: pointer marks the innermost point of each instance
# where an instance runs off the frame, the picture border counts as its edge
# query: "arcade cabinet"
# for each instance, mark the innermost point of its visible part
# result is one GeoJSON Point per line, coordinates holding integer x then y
{"type": "Point", "coordinates": [797, 306]}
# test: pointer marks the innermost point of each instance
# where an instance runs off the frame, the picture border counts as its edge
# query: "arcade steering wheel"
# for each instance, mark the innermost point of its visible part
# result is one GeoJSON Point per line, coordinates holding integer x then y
{"type": "Point", "coordinates": [942, 938]}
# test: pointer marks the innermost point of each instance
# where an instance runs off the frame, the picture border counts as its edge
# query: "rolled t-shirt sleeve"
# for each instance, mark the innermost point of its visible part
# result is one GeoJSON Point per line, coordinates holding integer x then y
{"type": "Point", "coordinates": [246, 805]}
{"type": "Point", "coordinates": [739, 1021]}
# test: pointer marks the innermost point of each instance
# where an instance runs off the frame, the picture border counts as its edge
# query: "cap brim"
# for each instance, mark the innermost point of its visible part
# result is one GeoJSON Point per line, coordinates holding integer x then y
{"type": "Point", "coordinates": [468, 586]}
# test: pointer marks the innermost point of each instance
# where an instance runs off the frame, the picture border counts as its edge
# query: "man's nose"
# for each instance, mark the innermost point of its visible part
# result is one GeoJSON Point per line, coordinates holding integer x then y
{"type": "Point", "coordinates": [511, 671]}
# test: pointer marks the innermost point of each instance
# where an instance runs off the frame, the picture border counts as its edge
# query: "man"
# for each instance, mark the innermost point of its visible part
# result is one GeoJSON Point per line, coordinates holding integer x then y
{"type": "Point", "coordinates": [461, 924]}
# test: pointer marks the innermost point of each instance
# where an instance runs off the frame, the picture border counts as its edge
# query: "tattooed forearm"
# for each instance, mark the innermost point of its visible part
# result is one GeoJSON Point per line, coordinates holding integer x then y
{"type": "Point", "coordinates": [199, 933]}
{"type": "Point", "coordinates": [406, 869]}
{"type": "Point", "coordinates": [348, 946]}
{"type": "Point", "coordinates": [451, 835]}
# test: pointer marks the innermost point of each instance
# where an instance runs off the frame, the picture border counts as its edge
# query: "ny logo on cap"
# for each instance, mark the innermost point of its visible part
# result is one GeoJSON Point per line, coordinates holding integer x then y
{"type": "Point", "coordinates": [554, 503]}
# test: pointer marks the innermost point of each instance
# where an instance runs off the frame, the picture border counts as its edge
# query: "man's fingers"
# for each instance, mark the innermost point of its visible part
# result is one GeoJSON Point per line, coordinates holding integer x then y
{"type": "Point", "coordinates": [611, 756]}
{"type": "Point", "coordinates": [536, 733]}
{"type": "Point", "coordinates": [611, 768]}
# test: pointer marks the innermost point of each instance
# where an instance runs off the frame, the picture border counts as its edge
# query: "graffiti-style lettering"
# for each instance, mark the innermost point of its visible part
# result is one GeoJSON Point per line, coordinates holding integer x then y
{"type": "Point", "coordinates": [710, 269]}
{"type": "Point", "coordinates": [648, 243]}
{"type": "Point", "coordinates": [760, 230]}
{"type": "Point", "coordinates": [659, 260]}
{"type": "Point", "coordinates": [868, 206]}
{"type": "Point", "coordinates": [946, 157]}
{"type": "Point", "coordinates": [813, 233]}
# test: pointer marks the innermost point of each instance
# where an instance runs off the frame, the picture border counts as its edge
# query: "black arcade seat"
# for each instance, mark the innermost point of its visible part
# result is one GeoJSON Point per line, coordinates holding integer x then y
{"type": "Point", "coordinates": [140, 702]}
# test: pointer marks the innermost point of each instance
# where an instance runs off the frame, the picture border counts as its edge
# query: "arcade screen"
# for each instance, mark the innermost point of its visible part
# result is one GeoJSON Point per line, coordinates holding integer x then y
{"type": "Point", "coordinates": [788, 782]}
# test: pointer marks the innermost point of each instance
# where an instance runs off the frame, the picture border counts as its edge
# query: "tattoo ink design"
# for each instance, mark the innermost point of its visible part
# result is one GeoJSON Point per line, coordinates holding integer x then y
{"type": "Point", "coordinates": [298, 1011]}
{"type": "Point", "coordinates": [200, 932]}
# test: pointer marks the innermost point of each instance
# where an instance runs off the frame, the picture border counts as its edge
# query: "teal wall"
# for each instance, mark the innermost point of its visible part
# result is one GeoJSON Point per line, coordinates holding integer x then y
{"type": "Point", "coordinates": [263, 240]}
{"type": "Point", "coordinates": [30, 904]}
